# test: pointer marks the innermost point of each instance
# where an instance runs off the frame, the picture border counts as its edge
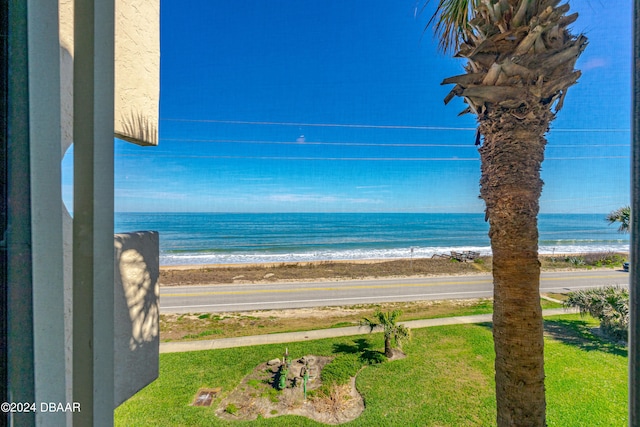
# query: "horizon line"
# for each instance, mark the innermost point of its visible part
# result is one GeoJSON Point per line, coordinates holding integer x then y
{"type": "Point", "coordinates": [337, 212]}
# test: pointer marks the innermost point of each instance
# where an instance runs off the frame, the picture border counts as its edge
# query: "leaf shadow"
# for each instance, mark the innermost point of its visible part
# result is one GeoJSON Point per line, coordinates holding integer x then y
{"type": "Point", "coordinates": [363, 348]}
{"type": "Point", "coordinates": [359, 345]}
{"type": "Point", "coordinates": [580, 334]}
{"type": "Point", "coordinates": [138, 129]}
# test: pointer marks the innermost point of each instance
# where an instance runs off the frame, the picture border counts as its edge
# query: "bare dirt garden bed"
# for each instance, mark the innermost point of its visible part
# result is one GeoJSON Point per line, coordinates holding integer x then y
{"type": "Point", "coordinates": [257, 395]}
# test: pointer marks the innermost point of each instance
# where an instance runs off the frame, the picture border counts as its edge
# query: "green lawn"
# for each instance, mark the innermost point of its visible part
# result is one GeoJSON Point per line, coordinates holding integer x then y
{"type": "Point", "coordinates": [446, 380]}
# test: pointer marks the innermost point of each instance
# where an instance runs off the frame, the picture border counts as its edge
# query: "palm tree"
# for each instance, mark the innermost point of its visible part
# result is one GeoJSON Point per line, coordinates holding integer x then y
{"type": "Point", "coordinates": [520, 63]}
{"type": "Point", "coordinates": [623, 216]}
{"type": "Point", "coordinates": [392, 330]}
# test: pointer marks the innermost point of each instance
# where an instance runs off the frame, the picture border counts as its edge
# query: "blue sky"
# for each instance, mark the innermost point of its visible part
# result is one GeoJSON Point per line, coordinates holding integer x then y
{"type": "Point", "coordinates": [336, 106]}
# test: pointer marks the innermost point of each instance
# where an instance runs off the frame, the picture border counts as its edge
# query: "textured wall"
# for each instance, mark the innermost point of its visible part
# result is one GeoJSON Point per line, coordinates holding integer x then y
{"type": "Point", "coordinates": [137, 70]}
{"type": "Point", "coordinates": [137, 327]}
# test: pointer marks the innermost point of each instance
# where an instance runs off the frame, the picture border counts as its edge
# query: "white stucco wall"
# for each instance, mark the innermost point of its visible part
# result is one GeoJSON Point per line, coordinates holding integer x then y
{"type": "Point", "coordinates": [136, 306]}
{"type": "Point", "coordinates": [137, 70]}
{"type": "Point", "coordinates": [136, 95]}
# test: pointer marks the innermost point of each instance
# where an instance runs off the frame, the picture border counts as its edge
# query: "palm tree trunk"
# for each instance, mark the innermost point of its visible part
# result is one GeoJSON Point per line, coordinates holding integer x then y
{"type": "Point", "coordinates": [387, 346]}
{"type": "Point", "coordinates": [510, 185]}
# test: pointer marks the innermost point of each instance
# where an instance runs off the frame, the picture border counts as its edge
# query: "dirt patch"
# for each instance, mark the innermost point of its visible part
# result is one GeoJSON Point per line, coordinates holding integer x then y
{"type": "Point", "coordinates": [396, 354]}
{"type": "Point", "coordinates": [317, 271]}
{"type": "Point", "coordinates": [257, 395]}
{"type": "Point", "coordinates": [364, 269]}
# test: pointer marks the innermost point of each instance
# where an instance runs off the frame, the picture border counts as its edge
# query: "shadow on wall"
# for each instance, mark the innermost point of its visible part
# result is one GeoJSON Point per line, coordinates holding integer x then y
{"type": "Point", "coordinates": [138, 128]}
{"type": "Point", "coordinates": [137, 292]}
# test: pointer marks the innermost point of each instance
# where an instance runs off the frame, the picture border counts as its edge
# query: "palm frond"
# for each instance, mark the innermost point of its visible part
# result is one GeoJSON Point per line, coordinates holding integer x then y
{"type": "Point", "coordinates": [372, 324]}
{"type": "Point", "coordinates": [401, 335]}
{"type": "Point", "coordinates": [623, 216]}
{"type": "Point", "coordinates": [608, 304]}
{"type": "Point", "coordinates": [450, 22]}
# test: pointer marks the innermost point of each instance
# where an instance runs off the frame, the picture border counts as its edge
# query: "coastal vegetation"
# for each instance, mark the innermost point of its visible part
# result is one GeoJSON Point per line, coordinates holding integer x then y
{"type": "Point", "coordinates": [326, 270]}
{"type": "Point", "coordinates": [195, 326]}
{"type": "Point", "coordinates": [343, 270]}
{"type": "Point", "coordinates": [445, 380]}
{"type": "Point", "coordinates": [520, 58]}
{"type": "Point", "coordinates": [584, 261]}
{"type": "Point", "coordinates": [621, 216]}
{"type": "Point", "coordinates": [608, 304]}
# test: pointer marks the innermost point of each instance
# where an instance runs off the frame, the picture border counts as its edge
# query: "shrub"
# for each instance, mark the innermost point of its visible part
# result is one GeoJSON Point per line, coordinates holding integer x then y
{"type": "Point", "coordinates": [231, 409]}
{"type": "Point", "coordinates": [604, 259]}
{"type": "Point", "coordinates": [338, 372]}
{"type": "Point", "coordinates": [608, 304]}
{"type": "Point", "coordinates": [575, 260]}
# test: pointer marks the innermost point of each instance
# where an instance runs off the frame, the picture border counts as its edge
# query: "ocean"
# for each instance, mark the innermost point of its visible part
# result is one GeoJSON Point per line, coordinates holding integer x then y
{"type": "Point", "coordinates": [222, 238]}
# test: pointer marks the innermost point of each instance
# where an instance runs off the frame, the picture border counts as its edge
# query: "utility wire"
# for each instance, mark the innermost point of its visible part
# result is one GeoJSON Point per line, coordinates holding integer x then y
{"type": "Point", "coordinates": [351, 159]}
{"type": "Point", "coordinates": [366, 144]}
{"type": "Point", "coordinates": [335, 125]}
{"type": "Point", "coordinates": [303, 143]}
{"type": "Point", "coordinates": [363, 126]}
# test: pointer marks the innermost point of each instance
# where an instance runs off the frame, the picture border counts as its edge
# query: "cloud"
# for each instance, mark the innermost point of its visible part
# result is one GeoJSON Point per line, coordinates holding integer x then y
{"type": "Point", "coordinates": [257, 179]}
{"type": "Point", "coordinates": [138, 194]}
{"type": "Point", "coordinates": [592, 63]}
{"type": "Point", "coordinates": [301, 198]}
{"type": "Point", "coordinates": [319, 199]}
{"type": "Point", "coordinates": [372, 187]}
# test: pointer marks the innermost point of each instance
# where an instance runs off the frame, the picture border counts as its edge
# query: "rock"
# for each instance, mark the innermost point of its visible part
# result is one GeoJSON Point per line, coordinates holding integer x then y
{"type": "Point", "coordinates": [239, 277]}
{"type": "Point", "coordinates": [313, 372]}
{"type": "Point", "coordinates": [273, 362]}
{"type": "Point", "coordinates": [268, 275]}
{"type": "Point", "coordinates": [295, 370]}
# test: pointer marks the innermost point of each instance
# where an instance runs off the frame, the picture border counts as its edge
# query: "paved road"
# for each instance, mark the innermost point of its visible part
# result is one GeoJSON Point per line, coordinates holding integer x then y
{"type": "Point", "coordinates": [221, 298]}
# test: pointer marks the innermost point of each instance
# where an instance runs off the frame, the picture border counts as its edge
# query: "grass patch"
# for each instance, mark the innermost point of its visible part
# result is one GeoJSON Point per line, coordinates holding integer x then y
{"type": "Point", "coordinates": [445, 380]}
{"type": "Point", "coordinates": [198, 326]}
{"type": "Point", "coordinates": [203, 334]}
{"type": "Point", "coordinates": [587, 372]}
{"type": "Point", "coordinates": [343, 324]}
{"type": "Point", "coordinates": [340, 370]}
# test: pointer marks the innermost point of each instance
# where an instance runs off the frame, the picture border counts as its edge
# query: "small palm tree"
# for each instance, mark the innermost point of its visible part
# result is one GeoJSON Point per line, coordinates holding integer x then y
{"type": "Point", "coordinates": [623, 216]}
{"type": "Point", "coordinates": [392, 330]}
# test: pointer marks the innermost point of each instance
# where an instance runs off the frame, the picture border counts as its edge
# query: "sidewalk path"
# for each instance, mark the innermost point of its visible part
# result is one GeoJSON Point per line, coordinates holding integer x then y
{"type": "Point", "coordinates": [287, 337]}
